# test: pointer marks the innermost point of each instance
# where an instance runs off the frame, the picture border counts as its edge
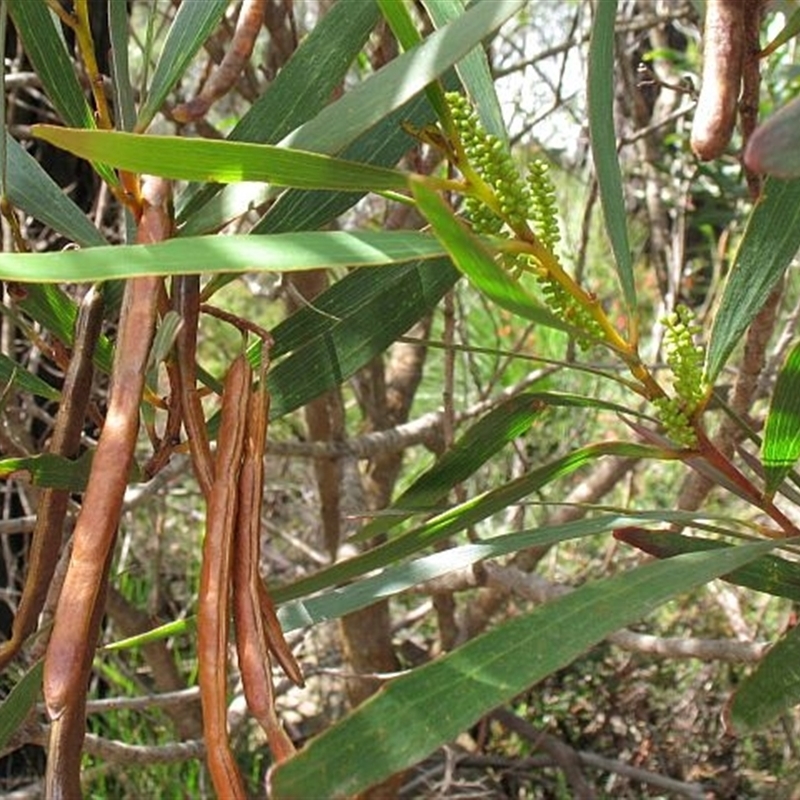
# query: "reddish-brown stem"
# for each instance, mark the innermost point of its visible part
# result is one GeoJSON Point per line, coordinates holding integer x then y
{"type": "Point", "coordinates": [709, 452]}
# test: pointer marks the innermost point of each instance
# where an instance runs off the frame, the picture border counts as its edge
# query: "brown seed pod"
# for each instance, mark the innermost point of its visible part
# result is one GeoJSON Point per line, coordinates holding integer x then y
{"type": "Point", "coordinates": [215, 582]}
{"type": "Point", "coordinates": [723, 48]}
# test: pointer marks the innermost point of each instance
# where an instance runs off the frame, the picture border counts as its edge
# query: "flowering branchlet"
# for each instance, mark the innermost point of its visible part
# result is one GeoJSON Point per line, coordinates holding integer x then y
{"type": "Point", "coordinates": [500, 202]}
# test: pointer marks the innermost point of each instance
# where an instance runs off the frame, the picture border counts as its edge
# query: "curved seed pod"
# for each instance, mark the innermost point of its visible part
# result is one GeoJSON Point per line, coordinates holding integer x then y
{"type": "Point", "coordinates": [252, 643]}
{"type": "Point", "coordinates": [186, 301]}
{"type": "Point", "coordinates": [222, 80]}
{"type": "Point", "coordinates": [215, 580]}
{"type": "Point", "coordinates": [52, 508]}
{"type": "Point", "coordinates": [723, 48]}
{"type": "Point", "coordinates": [68, 660]}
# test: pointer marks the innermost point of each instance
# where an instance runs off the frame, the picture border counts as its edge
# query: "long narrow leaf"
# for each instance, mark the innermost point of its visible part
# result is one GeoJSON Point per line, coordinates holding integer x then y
{"type": "Point", "coordinates": [118, 27]}
{"type": "Point", "coordinates": [13, 373]}
{"type": "Point", "coordinates": [397, 578]}
{"type": "Point", "coordinates": [192, 25]}
{"type": "Point", "coordinates": [478, 444]}
{"type": "Point", "coordinates": [18, 703]}
{"type": "Point", "coordinates": [291, 98]}
{"type": "Point", "coordinates": [44, 45]}
{"type": "Point", "coordinates": [477, 263]}
{"type": "Point", "coordinates": [48, 470]}
{"type": "Point", "coordinates": [287, 252]}
{"type": "Point", "coordinates": [769, 574]}
{"type": "Point", "coordinates": [770, 242]}
{"type": "Point", "coordinates": [772, 690]}
{"type": "Point", "coordinates": [220, 161]}
{"type": "Point", "coordinates": [780, 448]}
{"type": "Point", "coordinates": [458, 518]}
{"type": "Point", "coordinates": [49, 305]}
{"type": "Point", "coordinates": [604, 144]}
{"type": "Point", "coordinates": [31, 189]}
{"type": "Point", "coordinates": [330, 358]}
{"type": "Point", "coordinates": [369, 102]}
{"type": "Point", "coordinates": [433, 704]}
{"type": "Point", "coordinates": [473, 70]}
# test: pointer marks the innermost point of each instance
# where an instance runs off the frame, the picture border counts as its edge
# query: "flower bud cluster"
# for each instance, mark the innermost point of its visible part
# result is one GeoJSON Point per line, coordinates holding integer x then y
{"type": "Point", "coordinates": [515, 204]}
{"type": "Point", "coordinates": [685, 358]}
{"type": "Point", "coordinates": [491, 159]}
{"type": "Point", "coordinates": [675, 421]}
{"type": "Point", "coordinates": [544, 209]}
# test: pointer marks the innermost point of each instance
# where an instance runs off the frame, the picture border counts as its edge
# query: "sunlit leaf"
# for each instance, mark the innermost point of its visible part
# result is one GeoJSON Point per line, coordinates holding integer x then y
{"type": "Point", "coordinates": [289, 252]}
{"type": "Point", "coordinates": [220, 161]}
{"type": "Point", "coordinates": [367, 103]}
{"type": "Point", "coordinates": [473, 70]}
{"type": "Point", "coordinates": [477, 263]}
{"type": "Point", "coordinates": [290, 99]}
